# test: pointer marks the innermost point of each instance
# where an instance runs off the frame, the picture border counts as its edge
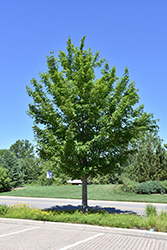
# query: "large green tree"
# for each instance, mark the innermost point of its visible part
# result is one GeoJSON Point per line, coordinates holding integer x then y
{"type": "Point", "coordinates": [81, 122]}
{"type": "Point", "coordinates": [10, 162]}
{"type": "Point", "coordinates": [22, 149]}
{"type": "Point", "coordinates": [4, 180]}
{"type": "Point", "coordinates": [31, 169]}
{"type": "Point", "coordinates": [2, 151]}
{"type": "Point", "coordinates": [150, 160]}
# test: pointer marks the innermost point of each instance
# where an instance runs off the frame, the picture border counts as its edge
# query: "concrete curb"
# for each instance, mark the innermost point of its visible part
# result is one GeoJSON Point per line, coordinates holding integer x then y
{"type": "Point", "coordinates": [84, 227]}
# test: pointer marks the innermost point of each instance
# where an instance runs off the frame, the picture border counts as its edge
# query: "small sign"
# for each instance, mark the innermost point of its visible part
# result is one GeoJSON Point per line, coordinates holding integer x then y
{"type": "Point", "coordinates": [49, 175]}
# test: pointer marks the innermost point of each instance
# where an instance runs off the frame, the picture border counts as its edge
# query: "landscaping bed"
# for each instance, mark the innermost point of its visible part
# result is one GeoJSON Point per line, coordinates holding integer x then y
{"type": "Point", "coordinates": [152, 221]}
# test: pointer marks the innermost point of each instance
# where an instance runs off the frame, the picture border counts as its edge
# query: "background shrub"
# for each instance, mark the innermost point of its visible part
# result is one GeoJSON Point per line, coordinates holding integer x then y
{"type": "Point", "coordinates": [149, 162]}
{"type": "Point", "coordinates": [103, 179]}
{"type": "Point", "coordinates": [164, 185]}
{"type": "Point", "coordinates": [129, 185]}
{"type": "Point", "coordinates": [4, 180]}
{"type": "Point", "coordinates": [149, 187]}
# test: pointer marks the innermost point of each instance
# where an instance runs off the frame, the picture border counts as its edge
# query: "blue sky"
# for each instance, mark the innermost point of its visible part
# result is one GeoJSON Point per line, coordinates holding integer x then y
{"type": "Point", "coordinates": [127, 33]}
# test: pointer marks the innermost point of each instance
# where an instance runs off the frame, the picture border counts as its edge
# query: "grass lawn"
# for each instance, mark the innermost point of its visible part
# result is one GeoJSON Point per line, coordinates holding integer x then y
{"type": "Point", "coordinates": [95, 192]}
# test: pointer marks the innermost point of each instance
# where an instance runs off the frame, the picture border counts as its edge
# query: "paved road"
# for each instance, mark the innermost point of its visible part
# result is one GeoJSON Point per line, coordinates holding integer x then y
{"type": "Point", "coordinates": [36, 235]}
{"type": "Point", "coordinates": [111, 206]}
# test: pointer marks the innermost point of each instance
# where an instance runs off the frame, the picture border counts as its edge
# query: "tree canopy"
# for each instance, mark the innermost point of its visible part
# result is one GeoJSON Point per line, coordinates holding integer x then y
{"type": "Point", "coordinates": [82, 122]}
{"type": "Point", "coordinates": [22, 149]}
{"type": "Point", "coordinates": [150, 160]}
{"type": "Point", "coordinates": [4, 180]}
{"type": "Point", "coordinates": [10, 162]}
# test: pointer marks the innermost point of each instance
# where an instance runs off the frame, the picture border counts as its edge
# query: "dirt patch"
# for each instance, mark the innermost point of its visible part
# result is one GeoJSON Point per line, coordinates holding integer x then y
{"type": "Point", "coordinates": [18, 188]}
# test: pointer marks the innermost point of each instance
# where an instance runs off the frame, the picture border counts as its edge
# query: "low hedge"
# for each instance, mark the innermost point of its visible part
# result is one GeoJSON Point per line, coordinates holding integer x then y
{"type": "Point", "coordinates": [164, 185]}
{"type": "Point", "coordinates": [149, 187]}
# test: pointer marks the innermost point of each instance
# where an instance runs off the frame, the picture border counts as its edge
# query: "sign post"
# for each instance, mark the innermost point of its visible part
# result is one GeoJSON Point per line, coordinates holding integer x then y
{"type": "Point", "coordinates": [49, 176]}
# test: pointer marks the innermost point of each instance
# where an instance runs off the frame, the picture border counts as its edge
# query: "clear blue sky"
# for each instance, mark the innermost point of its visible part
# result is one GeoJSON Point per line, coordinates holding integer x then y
{"type": "Point", "coordinates": [127, 33]}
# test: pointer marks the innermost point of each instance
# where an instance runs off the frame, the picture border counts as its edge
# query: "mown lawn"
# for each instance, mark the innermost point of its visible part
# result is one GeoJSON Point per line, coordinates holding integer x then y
{"type": "Point", "coordinates": [95, 192]}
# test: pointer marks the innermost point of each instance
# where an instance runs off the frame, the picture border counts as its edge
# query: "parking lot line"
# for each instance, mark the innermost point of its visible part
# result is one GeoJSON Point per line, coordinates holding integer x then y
{"type": "Point", "coordinates": [28, 229]}
{"type": "Point", "coordinates": [81, 241]}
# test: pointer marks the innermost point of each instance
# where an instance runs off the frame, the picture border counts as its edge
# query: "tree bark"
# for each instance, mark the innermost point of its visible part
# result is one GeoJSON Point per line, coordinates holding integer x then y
{"type": "Point", "coordinates": [84, 195]}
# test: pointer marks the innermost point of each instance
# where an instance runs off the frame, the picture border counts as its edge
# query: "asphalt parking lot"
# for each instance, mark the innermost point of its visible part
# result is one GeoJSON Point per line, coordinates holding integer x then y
{"type": "Point", "coordinates": [24, 234]}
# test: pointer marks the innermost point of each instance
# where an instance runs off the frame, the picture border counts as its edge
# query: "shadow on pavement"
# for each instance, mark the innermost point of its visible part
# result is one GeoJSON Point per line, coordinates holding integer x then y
{"type": "Point", "coordinates": [107, 209]}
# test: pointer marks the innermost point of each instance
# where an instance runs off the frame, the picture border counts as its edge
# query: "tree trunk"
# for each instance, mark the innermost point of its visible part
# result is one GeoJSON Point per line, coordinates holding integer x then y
{"type": "Point", "coordinates": [84, 195]}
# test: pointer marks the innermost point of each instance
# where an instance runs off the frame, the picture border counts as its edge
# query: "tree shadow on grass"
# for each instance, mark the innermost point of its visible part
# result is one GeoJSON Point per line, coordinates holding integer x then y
{"type": "Point", "coordinates": [111, 210]}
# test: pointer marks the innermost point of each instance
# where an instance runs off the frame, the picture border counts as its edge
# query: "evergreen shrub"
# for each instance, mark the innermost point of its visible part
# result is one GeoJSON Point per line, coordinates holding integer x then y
{"type": "Point", "coordinates": [4, 180]}
{"type": "Point", "coordinates": [149, 187]}
{"type": "Point", "coordinates": [164, 185]}
{"type": "Point", "coordinates": [129, 185]}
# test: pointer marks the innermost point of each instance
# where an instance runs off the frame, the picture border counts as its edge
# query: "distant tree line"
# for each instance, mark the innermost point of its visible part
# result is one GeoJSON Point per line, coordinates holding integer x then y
{"type": "Point", "coordinates": [150, 160]}
{"type": "Point", "coordinates": [20, 166]}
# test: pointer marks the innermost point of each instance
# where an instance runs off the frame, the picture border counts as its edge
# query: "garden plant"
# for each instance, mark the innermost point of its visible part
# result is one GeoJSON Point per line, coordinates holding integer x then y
{"type": "Point", "coordinates": [152, 221]}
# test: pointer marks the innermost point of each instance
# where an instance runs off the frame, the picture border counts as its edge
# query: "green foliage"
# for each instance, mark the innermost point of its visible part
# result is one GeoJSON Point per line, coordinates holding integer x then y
{"type": "Point", "coordinates": [10, 162]}
{"type": "Point", "coordinates": [150, 160]}
{"type": "Point", "coordinates": [164, 185]}
{"type": "Point", "coordinates": [93, 217]}
{"type": "Point", "coordinates": [103, 179]}
{"type": "Point", "coordinates": [22, 149]}
{"type": "Point", "coordinates": [2, 151]}
{"type": "Point", "coordinates": [31, 169]}
{"type": "Point", "coordinates": [150, 210]}
{"type": "Point", "coordinates": [4, 180]}
{"type": "Point", "coordinates": [82, 123]}
{"type": "Point", "coordinates": [149, 187]}
{"type": "Point", "coordinates": [129, 185]}
{"type": "Point", "coordinates": [3, 209]}
{"type": "Point", "coordinates": [87, 123]}
{"type": "Point", "coordinates": [17, 176]}
{"type": "Point", "coordinates": [58, 177]}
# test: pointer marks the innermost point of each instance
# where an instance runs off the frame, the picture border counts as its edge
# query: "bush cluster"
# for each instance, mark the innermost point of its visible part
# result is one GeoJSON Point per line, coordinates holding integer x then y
{"type": "Point", "coordinates": [4, 180]}
{"type": "Point", "coordinates": [3, 209]}
{"type": "Point", "coordinates": [149, 187]}
{"type": "Point", "coordinates": [164, 185]}
{"type": "Point", "coordinates": [129, 185]}
{"type": "Point", "coordinates": [103, 179]}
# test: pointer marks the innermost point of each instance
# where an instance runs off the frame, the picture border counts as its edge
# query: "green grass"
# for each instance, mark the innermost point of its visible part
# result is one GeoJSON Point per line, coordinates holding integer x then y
{"type": "Point", "coordinates": [100, 218]}
{"type": "Point", "coordinates": [95, 192]}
